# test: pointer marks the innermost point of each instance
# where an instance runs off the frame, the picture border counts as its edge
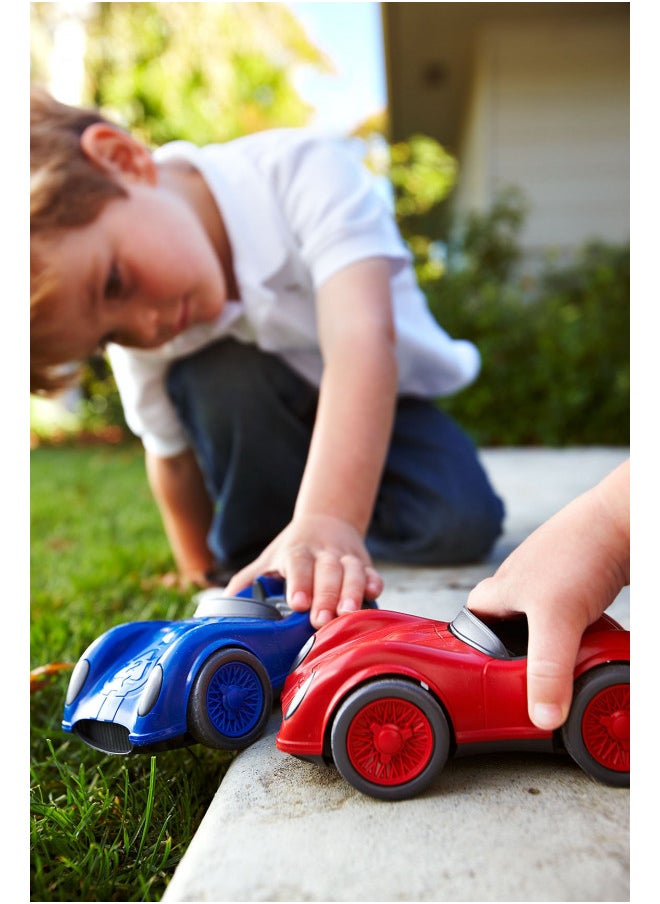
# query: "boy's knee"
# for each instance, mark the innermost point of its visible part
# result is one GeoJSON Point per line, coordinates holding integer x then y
{"type": "Point", "coordinates": [464, 534]}
{"type": "Point", "coordinates": [440, 533]}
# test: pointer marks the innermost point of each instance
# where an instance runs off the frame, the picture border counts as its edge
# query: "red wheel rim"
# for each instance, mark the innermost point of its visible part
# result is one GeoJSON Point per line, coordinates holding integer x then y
{"type": "Point", "coordinates": [389, 741]}
{"type": "Point", "coordinates": [606, 727]}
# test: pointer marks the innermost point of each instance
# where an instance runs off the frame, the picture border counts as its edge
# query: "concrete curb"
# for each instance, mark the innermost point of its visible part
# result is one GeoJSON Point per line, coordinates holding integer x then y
{"type": "Point", "coordinates": [497, 828]}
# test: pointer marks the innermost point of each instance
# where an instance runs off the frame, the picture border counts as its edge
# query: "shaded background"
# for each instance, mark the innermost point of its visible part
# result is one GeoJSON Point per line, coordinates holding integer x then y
{"type": "Point", "coordinates": [500, 131]}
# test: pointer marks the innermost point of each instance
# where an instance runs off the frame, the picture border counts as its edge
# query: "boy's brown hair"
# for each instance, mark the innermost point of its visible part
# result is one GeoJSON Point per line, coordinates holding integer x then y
{"type": "Point", "coordinates": [66, 191]}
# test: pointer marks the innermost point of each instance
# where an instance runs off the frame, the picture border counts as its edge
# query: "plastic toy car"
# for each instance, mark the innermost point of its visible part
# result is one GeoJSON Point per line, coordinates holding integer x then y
{"type": "Point", "coordinates": [211, 679]}
{"type": "Point", "coordinates": [389, 697]}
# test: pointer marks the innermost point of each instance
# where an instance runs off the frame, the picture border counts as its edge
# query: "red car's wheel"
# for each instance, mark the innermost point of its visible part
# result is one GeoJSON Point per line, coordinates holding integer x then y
{"type": "Point", "coordinates": [597, 731]}
{"type": "Point", "coordinates": [390, 738]}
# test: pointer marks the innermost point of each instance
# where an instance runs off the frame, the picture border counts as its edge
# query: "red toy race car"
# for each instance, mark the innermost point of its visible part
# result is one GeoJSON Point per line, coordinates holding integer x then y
{"type": "Point", "coordinates": [388, 697]}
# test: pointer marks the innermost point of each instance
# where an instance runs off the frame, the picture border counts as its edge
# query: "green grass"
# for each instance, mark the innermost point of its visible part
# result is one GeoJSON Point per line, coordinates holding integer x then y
{"type": "Point", "coordinates": [102, 828]}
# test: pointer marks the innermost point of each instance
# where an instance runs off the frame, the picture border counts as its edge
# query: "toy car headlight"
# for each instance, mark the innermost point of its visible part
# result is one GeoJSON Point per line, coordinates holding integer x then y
{"type": "Point", "coordinates": [303, 652]}
{"type": "Point", "coordinates": [151, 690]}
{"type": "Point", "coordinates": [299, 696]}
{"type": "Point", "coordinates": [78, 678]}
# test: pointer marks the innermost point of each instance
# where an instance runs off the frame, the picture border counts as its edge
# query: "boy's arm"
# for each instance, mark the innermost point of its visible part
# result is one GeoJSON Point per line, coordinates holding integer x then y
{"type": "Point", "coordinates": [185, 507]}
{"type": "Point", "coordinates": [322, 553]}
{"type": "Point", "coordinates": [563, 576]}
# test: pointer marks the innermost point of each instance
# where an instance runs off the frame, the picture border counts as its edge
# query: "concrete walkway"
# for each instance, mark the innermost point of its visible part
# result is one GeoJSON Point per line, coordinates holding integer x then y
{"type": "Point", "coordinates": [497, 828]}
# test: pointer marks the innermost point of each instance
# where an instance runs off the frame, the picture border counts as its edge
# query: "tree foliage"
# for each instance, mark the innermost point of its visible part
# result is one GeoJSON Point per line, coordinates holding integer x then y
{"type": "Point", "coordinates": [197, 71]}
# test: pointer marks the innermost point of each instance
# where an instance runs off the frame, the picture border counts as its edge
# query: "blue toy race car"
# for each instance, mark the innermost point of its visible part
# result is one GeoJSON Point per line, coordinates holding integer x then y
{"type": "Point", "coordinates": [210, 679]}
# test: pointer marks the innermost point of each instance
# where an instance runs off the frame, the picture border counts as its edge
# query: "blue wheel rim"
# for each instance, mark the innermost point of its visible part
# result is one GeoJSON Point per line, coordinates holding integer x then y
{"type": "Point", "coordinates": [235, 699]}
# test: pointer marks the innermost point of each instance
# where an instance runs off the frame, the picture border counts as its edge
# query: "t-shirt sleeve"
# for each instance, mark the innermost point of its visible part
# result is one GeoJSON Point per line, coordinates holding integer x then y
{"type": "Point", "coordinates": [147, 408]}
{"type": "Point", "coordinates": [335, 208]}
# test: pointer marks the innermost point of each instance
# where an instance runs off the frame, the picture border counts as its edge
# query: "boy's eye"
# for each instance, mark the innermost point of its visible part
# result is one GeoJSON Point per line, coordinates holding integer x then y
{"type": "Point", "coordinates": [113, 284]}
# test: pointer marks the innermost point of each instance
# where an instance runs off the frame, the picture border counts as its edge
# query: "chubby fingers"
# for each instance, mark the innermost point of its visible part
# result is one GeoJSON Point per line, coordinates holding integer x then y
{"type": "Point", "coordinates": [555, 631]}
{"type": "Point", "coordinates": [551, 655]}
{"type": "Point", "coordinates": [329, 584]}
{"type": "Point", "coordinates": [360, 582]}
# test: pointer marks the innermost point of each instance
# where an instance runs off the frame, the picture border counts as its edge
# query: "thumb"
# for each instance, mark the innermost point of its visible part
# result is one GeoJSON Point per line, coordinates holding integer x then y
{"type": "Point", "coordinates": [243, 578]}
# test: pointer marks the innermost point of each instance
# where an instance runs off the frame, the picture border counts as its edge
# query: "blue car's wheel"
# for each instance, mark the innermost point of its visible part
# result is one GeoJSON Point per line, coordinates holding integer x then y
{"type": "Point", "coordinates": [231, 700]}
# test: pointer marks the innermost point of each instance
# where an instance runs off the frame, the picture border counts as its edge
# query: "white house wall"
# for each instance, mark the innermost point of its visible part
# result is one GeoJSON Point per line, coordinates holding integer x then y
{"type": "Point", "coordinates": [549, 112]}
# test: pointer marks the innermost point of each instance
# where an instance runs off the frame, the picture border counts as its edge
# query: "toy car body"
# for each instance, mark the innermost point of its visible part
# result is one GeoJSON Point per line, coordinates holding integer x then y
{"type": "Point", "coordinates": [211, 679]}
{"type": "Point", "coordinates": [389, 697]}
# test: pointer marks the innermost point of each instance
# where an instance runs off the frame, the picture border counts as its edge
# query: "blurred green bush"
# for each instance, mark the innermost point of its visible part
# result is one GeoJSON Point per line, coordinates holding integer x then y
{"type": "Point", "coordinates": [555, 345]}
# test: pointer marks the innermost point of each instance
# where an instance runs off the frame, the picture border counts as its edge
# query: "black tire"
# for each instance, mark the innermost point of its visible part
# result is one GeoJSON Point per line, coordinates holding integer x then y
{"type": "Point", "coordinates": [390, 738]}
{"type": "Point", "coordinates": [231, 700]}
{"type": "Point", "coordinates": [597, 731]}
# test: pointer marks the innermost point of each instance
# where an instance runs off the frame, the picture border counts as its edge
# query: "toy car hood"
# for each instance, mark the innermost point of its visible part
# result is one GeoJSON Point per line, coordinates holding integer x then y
{"type": "Point", "coordinates": [121, 697]}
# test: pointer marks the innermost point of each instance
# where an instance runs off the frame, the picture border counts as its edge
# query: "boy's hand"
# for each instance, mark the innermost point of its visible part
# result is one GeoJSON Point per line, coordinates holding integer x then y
{"type": "Point", "coordinates": [325, 564]}
{"type": "Point", "coordinates": [563, 577]}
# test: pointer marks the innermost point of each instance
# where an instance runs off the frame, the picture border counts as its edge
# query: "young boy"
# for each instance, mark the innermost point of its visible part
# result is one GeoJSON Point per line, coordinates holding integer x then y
{"type": "Point", "coordinates": [271, 347]}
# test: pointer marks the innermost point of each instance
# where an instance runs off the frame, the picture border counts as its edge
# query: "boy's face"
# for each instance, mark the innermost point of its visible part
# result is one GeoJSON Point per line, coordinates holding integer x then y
{"type": "Point", "coordinates": [144, 270]}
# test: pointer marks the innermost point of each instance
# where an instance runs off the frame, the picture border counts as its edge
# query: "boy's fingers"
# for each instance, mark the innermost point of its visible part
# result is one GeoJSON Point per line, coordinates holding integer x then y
{"type": "Point", "coordinates": [374, 585]}
{"type": "Point", "coordinates": [551, 655]}
{"type": "Point", "coordinates": [328, 573]}
{"type": "Point", "coordinates": [353, 585]}
{"type": "Point", "coordinates": [299, 575]}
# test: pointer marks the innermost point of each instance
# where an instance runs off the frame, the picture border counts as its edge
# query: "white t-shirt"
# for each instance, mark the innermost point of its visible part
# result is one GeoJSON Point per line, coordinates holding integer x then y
{"type": "Point", "coordinates": [297, 206]}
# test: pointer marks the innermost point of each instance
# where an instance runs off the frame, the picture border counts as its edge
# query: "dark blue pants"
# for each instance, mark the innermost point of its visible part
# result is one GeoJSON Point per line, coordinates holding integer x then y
{"type": "Point", "coordinates": [250, 420]}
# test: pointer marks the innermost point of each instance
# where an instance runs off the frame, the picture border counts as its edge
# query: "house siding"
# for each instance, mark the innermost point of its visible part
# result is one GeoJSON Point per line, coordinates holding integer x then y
{"type": "Point", "coordinates": [549, 113]}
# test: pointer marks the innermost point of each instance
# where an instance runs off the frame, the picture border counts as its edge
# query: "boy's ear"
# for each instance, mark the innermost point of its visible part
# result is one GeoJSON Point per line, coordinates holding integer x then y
{"type": "Point", "coordinates": [118, 153]}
